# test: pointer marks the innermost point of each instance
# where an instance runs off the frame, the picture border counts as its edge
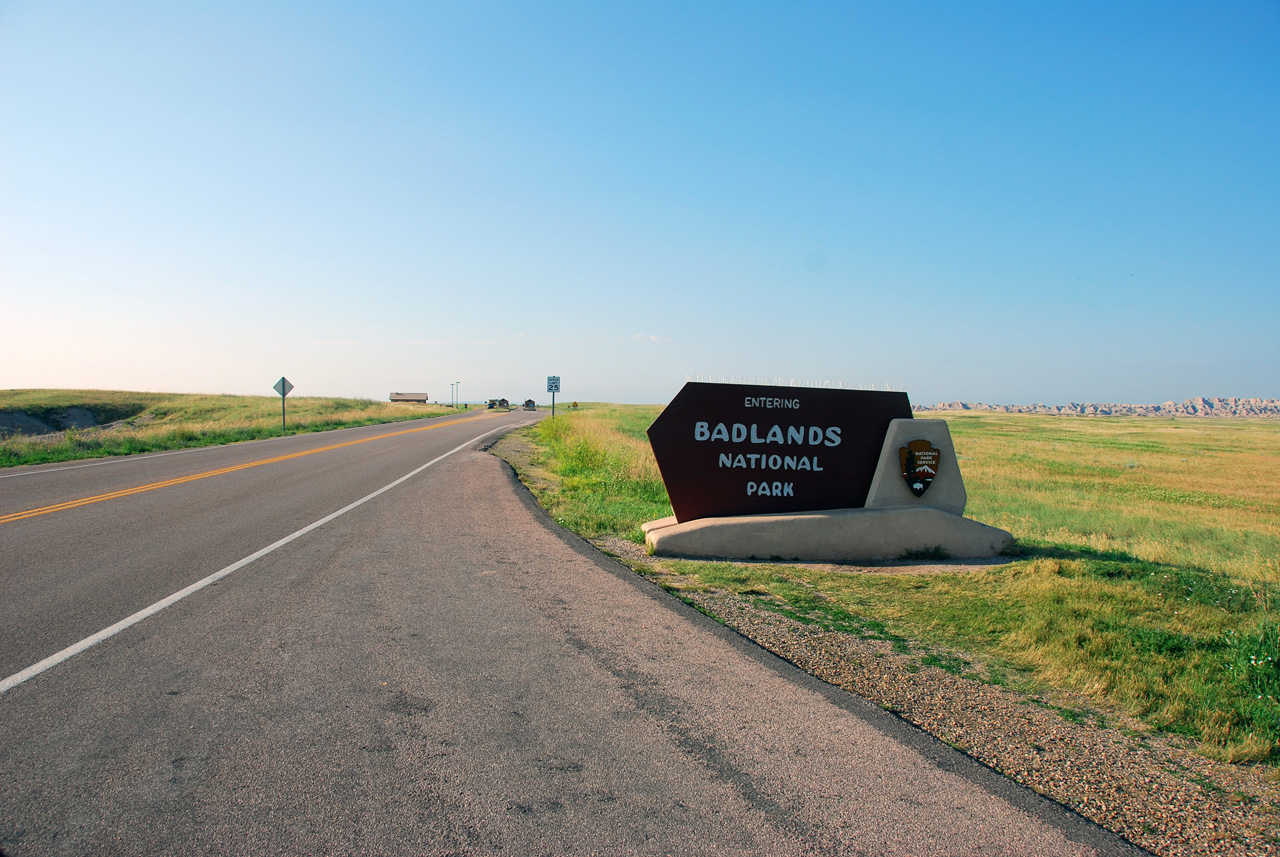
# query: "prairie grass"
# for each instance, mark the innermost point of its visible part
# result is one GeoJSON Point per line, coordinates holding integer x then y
{"type": "Point", "coordinates": [608, 481]}
{"type": "Point", "coordinates": [1146, 576]}
{"type": "Point", "coordinates": [131, 423]}
{"type": "Point", "coordinates": [1194, 492]}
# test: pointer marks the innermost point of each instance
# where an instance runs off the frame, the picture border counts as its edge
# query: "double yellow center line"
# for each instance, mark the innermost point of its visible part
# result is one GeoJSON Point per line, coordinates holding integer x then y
{"type": "Point", "coordinates": [126, 492]}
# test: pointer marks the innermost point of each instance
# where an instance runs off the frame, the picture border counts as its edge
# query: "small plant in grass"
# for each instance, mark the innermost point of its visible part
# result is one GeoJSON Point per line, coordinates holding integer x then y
{"type": "Point", "coordinates": [945, 661]}
{"type": "Point", "coordinates": [1254, 660]}
{"type": "Point", "coordinates": [937, 552]}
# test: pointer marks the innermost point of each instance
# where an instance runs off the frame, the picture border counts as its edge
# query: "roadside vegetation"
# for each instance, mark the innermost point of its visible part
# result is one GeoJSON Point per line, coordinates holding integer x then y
{"type": "Point", "coordinates": [607, 482]}
{"type": "Point", "coordinates": [131, 423]}
{"type": "Point", "coordinates": [1146, 571]}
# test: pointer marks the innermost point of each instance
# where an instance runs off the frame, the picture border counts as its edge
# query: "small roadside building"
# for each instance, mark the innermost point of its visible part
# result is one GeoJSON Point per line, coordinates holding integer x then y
{"type": "Point", "coordinates": [410, 397]}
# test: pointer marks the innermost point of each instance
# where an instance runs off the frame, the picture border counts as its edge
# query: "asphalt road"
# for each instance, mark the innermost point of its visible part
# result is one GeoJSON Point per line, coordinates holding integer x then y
{"type": "Point", "coordinates": [437, 670]}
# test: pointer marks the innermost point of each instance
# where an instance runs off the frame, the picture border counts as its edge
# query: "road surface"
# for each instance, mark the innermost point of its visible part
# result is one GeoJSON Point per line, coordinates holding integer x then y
{"type": "Point", "coordinates": [437, 669]}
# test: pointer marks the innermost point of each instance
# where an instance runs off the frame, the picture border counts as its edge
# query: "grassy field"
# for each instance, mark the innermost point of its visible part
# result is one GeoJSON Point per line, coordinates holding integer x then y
{"type": "Point", "coordinates": [148, 422]}
{"type": "Point", "coordinates": [1147, 572]}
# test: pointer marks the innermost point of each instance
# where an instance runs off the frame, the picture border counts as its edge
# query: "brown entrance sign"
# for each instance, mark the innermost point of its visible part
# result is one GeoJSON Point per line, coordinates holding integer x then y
{"type": "Point", "coordinates": [739, 449]}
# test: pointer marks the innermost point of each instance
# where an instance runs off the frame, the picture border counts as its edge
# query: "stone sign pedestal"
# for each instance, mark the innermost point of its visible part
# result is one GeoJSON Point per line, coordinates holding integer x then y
{"type": "Point", "coordinates": [946, 488]}
{"type": "Point", "coordinates": [914, 508]}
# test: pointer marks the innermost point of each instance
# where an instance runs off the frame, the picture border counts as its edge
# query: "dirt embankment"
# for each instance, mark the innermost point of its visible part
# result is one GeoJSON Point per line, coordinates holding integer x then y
{"type": "Point", "coordinates": [20, 422]}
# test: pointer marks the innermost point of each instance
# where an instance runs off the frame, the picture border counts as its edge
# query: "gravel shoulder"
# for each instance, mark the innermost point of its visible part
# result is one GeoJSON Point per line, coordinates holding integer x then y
{"type": "Point", "coordinates": [1151, 788]}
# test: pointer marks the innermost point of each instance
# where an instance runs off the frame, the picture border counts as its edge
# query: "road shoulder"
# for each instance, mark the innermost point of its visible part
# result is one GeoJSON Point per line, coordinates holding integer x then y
{"type": "Point", "coordinates": [716, 616]}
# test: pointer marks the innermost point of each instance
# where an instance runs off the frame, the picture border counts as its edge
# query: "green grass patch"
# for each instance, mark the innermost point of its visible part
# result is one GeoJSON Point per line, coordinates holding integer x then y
{"type": "Point", "coordinates": [1146, 566]}
{"type": "Point", "coordinates": [606, 483]}
{"type": "Point", "coordinates": [131, 423]}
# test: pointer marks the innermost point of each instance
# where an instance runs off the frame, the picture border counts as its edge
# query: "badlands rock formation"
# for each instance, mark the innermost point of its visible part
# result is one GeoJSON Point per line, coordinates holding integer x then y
{"type": "Point", "coordinates": [1190, 408]}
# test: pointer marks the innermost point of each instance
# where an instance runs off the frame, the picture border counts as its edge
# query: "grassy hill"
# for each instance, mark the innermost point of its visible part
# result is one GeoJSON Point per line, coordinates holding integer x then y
{"type": "Point", "coordinates": [126, 423]}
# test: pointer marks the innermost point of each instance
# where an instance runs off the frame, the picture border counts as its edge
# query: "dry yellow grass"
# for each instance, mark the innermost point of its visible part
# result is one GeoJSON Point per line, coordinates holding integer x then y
{"type": "Point", "coordinates": [1187, 491]}
{"type": "Point", "coordinates": [144, 422]}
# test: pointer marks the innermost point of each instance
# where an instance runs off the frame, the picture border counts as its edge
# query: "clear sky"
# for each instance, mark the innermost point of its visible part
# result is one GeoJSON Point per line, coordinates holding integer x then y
{"type": "Point", "coordinates": [1003, 202]}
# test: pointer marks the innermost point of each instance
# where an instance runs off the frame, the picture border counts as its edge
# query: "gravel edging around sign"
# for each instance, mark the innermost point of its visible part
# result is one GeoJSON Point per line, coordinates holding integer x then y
{"type": "Point", "coordinates": [1150, 788]}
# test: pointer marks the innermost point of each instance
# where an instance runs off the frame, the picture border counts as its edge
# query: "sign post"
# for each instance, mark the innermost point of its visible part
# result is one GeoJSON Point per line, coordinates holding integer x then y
{"type": "Point", "coordinates": [553, 387]}
{"type": "Point", "coordinates": [282, 387]}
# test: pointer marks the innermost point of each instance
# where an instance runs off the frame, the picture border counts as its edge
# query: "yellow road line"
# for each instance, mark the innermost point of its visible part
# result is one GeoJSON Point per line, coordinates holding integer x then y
{"type": "Point", "coordinates": [125, 492]}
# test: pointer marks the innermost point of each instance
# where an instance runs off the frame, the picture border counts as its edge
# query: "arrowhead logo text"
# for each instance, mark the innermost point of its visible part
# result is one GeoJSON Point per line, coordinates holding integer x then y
{"type": "Point", "coordinates": [919, 465]}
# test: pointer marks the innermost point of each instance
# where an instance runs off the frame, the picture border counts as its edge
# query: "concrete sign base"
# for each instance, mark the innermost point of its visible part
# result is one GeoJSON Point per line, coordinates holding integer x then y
{"type": "Point", "coordinates": [838, 535]}
{"type": "Point", "coordinates": [897, 523]}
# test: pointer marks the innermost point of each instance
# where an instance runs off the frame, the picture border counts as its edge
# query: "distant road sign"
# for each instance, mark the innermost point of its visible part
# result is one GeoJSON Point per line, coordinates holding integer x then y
{"type": "Point", "coordinates": [553, 383]}
{"type": "Point", "coordinates": [282, 387]}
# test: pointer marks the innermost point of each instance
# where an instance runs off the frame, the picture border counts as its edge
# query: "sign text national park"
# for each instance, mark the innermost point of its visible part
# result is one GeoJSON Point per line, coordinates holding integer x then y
{"type": "Point", "coordinates": [737, 449]}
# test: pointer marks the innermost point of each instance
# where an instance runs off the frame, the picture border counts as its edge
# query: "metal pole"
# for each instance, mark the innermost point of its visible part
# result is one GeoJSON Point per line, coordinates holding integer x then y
{"type": "Point", "coordinates": [282, 429]}
{"type": "Point", "coordinates": [553, 404]}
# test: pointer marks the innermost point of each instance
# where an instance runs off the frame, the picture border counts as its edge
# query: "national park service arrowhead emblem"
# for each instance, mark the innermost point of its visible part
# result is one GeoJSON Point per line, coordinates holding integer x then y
{"type": "Point", "coordinates": [919, 464]}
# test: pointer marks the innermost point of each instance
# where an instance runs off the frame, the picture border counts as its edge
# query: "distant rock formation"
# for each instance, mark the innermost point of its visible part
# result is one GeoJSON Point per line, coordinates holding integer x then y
{"type": "Point", "coordinates": [1190, 408]}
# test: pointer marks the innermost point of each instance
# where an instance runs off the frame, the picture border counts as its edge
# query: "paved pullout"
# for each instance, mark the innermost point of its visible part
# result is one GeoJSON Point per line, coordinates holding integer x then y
{"type": "Point", "coordinates": [439, 671]}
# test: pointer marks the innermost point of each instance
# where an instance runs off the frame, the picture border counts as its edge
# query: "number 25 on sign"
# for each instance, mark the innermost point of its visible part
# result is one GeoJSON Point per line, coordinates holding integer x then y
{"type": "Point", "coordinates": [553, 387]}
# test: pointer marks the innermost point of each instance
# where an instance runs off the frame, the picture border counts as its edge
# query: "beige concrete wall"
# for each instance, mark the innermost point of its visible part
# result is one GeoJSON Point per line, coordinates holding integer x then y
{"type": "Point", "coordinates": [839, 535]}
{"type": "Point", "coordinates": [889, 489]}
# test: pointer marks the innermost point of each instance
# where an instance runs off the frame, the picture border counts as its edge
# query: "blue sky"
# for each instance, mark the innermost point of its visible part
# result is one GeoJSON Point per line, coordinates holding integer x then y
{"type": "Point", "coordinates": [1000, 202]}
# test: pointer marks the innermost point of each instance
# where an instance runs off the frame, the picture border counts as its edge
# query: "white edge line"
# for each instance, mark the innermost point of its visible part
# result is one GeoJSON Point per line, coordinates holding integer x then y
{"type": "Point", "coordinates": [146, 612]}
